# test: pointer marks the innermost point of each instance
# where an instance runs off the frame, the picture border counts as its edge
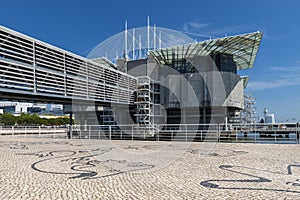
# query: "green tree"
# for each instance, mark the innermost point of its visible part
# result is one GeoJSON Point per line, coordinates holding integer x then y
{"type": "Point", "coordinates": [7, 119]}
{"type": "Point", "coordinates": [31, 120]}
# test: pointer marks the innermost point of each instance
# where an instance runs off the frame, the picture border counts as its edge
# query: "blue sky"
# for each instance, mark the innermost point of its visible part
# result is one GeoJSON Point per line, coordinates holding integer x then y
{"type": "Point", "coordinates": [78, 26]}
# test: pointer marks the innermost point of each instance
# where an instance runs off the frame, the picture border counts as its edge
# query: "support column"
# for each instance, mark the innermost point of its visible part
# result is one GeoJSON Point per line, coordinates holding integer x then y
{"type": "Point", "coordinates": [70, 127]}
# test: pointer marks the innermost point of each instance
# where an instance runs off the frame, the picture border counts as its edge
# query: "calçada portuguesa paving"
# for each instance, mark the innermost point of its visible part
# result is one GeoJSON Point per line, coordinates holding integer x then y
{"type": "Point", "coordinates": [47, 168]}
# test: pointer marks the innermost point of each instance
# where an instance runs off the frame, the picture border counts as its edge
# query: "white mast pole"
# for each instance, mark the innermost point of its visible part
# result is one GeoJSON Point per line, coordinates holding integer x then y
{"type": "Point", "coordinates": [133, 44]}
{"type": "Point", "coordinates": [159, 40]}
{"type": "Point", "coordinates": [148, 33]}
{"type": "Point", "coordinates": [126, 35]}
{"type": "Point", "coordinates": [154, 36]}
{"type": "Point", "coordinates": [140, 46]}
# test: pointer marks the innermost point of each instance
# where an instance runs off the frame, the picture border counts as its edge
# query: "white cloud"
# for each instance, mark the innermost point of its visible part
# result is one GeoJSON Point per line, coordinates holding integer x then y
{"type": "Point", "coordinates": [232, 30]}
{"type": "Point", "coordinates": [280, 76]}
{"type": "Point", "coordinates": [208, 31]}
{"type": "Point", "coordinates": [194, 26]}
{"type": "Point", "coordinates": [286, 69]}
{"type": "Point", "coordinates": [195, 29]}
{"type": "Point", "coordinates": [198, 25]}
{"type": "Point", "coordinates": [264, 85]}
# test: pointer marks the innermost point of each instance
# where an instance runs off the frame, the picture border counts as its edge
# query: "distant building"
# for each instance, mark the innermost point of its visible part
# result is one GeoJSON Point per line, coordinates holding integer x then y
{"type": "Point", "coordinates": [30, 108]}
{"type": "Point", "coordinates": [15, 107]}
{"type": "Point", "coordinates": [269, 118]}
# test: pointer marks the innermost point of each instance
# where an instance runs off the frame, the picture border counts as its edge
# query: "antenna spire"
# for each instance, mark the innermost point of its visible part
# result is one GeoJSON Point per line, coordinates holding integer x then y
{"type": "Point", "coordinates": [133, 44]}
{"type": "Point", "coordinates": [148, 33]}
{"type": "Point", "coordinates": [140, 46]}
{"type": "Point", "coordinates": [154, 37]}
{"type": "Point", "coordinates": [126, 44]}
{"type": "Point", "coordinates": [159, 42]}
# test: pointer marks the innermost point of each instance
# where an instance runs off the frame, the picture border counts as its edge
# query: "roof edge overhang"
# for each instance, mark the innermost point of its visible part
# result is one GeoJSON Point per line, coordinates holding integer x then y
{"type": "Point", "coordinates": [243, 48]}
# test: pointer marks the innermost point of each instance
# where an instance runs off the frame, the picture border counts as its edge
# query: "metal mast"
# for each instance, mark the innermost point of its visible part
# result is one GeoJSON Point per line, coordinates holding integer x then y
{"type": "Point", "coordinates": [140, 46]}
{"type": "Point", "coordinates": [154, 37]}
{"type": "Point", "coordinates": [126, 44]}
{"type": "Point", "coordinates": [133, 44]}
{"type": "Point", "coordinates": [159, 42]}
{"type": "Point", "coordinates": [148, 34]}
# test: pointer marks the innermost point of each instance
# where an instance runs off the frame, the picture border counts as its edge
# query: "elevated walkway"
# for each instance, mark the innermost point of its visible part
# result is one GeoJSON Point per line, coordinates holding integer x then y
{"type": "Point", "coordinates": [36, 71]}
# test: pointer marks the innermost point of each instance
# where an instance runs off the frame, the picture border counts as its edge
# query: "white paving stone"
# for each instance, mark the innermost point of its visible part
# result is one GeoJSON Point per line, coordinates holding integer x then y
{"type": "Point", "coordinates": [39, 168]}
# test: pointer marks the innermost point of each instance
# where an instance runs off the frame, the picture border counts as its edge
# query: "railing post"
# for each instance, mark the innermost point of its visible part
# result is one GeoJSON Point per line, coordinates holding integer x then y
{"type": "Point", "coordinates": [255, 136]}
{"type": "Point", "coordinates": [109, 132]}
{"type": "Point", "coordinates": [99, 132]}
{"type": "Point", "coordinates": [39, 131]}
{"type": "Point", "coordinates": [255, 133]}
{"type": "Point", "coordinates": [297, 134]}
{"type": "Point", "coordinates": [219, 135]}
{"type": "Point", "coordinates": [12, 131]}
{"type": "Point", "coordinates": [80, 134]}
{"type": "Point", "coordinates": [121, 134]}
{"type": "Point", "coordinates": [201, 138]}
{"type": "Point", "coordinates": [89, 132]}
{"type": "Point", "coordinates": [185, 133]}
{"type": "Point", "coordinates": [132, 132]}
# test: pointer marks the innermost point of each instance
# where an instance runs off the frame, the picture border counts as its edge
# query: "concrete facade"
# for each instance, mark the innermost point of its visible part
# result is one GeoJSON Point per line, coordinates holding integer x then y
{"type": "Point", "coordinates": [209, 94]}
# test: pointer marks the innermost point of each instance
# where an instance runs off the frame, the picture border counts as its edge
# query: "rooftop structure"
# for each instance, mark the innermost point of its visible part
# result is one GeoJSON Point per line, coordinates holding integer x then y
{"type": "Point", "coordinates": [135, 43]}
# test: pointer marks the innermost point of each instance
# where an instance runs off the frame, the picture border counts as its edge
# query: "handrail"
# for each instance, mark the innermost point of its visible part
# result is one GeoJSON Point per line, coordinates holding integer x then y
{"type": "Point", "coordinates": [250, 133]}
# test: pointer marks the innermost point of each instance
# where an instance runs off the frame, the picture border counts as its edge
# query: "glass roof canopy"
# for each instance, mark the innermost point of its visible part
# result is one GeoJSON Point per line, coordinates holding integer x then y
{"type": "Point", "coordinates": [243, 47]}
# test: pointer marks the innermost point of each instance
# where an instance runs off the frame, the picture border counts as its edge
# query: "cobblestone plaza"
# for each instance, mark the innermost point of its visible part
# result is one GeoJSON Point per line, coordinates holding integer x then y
{"type": "Point", "coordinates": [41, 168]}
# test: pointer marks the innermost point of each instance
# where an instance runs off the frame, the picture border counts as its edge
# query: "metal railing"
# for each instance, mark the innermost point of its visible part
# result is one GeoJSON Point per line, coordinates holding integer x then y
{"type": "Point", "coordinates": [35, 131]}
{"type": "Point", "coordinates": [230, 133]}
{"type": "Point", "coordinates": [243, 133]}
